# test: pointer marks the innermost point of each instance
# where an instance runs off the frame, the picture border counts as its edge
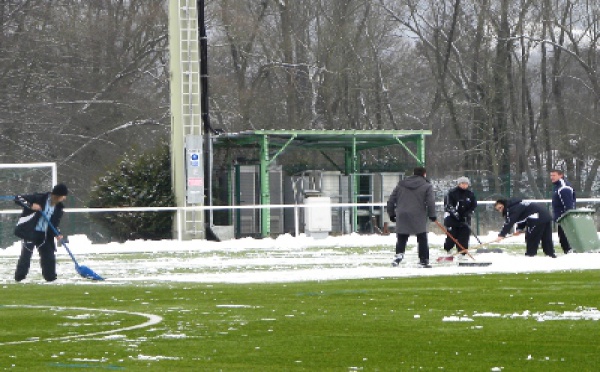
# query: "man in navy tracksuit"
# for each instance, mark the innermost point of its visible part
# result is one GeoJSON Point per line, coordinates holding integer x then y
{"type": "Point", "coordinates": [563, 199]}
{"type": "Point", "coordinates": [531, 217]}
{"type": "Point", "coordinates": [459, 205]}
{"type": "Point", "coordinates": [33, 228]}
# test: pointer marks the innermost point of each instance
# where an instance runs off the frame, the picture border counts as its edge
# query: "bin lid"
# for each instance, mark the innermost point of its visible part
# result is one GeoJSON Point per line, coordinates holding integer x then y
{"type": "Point", "coordinates": [576, 211]}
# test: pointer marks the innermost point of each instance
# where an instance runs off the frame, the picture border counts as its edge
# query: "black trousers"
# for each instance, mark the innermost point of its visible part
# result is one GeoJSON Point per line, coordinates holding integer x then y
{"type": "Point", "coordinates": [562, 238]}
{"type": "Point", "coordinates": [461, 234]}
{"type": "Point", "coordinates": [536, 234]}
{"type": "Point", "coordinates": [46, 251]}
{"type": "Point", "coordinates": [422, 243]}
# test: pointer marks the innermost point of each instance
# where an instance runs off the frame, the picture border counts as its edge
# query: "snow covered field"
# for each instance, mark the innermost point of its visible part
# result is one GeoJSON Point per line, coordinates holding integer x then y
{"type": "Point", "coordinates": [285, 259]}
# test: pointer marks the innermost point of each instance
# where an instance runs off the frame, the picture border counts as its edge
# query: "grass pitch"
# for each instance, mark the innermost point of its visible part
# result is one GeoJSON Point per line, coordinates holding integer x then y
{"type": "Point", "coordinates": [533, 322]}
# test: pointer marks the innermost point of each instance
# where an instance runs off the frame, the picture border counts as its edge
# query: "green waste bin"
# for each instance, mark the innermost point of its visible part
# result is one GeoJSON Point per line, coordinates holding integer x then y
{"type": "Point", "coordinates": [580, 228]}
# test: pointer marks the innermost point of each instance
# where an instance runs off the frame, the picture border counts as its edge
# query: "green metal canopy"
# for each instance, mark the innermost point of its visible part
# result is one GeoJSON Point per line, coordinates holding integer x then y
{"type": "Point", "coordinates": [361, 139]}
{"type": "Point", "coordinates": [271, 143]}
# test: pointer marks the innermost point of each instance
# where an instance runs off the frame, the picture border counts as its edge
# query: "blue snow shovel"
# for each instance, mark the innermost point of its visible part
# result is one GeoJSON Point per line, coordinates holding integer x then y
{"type": "Point", "coordinates": [84, 271]}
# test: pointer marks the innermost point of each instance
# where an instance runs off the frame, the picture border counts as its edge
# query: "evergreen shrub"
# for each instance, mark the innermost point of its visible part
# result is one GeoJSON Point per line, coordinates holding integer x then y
{"type": "Point", "coordinates": [138, 180]}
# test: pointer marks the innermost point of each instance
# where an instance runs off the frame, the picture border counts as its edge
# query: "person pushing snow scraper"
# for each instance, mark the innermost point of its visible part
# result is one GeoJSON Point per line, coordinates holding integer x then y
{"type": "Point", "coordinates": [35, 231]}
{"type": "Point", "coordinates": [459, 205]}
{"type": "Point", "coordinates": [532, 218]}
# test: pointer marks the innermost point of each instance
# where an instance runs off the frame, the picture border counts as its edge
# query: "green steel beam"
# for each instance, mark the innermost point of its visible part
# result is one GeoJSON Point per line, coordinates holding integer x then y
{"type": "Point", "coordinates": [331, 161]}
{"type": "Point", "coordinates": [420, 156]}
{"type": "Point", "coordinates": [282, 149]}
{"type": "Point", "coordinates": [321, 139]}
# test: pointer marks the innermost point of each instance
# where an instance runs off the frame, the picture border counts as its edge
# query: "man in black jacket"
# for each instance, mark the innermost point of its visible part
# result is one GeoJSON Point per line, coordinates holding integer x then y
{"type": "Point", "coordinates": [33, 228]}
{"type": "Point", "coordinates": [459, 205]}
{"type": "Point", "coordinates": [532, 218]}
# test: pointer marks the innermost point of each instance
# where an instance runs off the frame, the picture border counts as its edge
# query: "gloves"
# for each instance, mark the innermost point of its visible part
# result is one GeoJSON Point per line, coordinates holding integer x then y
{"type": "Point", "coordinates": [22, 202]}
{"type": "Point", "coordinates": [60, 240]}
{"type": "Point", "coordinates": [452, 211]}
{"type": "Point", "coordinates": [433, 219]}
{"type": "Point", "coordinates": [455, 214]}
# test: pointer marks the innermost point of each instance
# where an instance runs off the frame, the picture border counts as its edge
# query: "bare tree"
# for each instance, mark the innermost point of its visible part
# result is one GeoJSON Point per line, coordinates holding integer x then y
{"type": "Point", "coordinates": [84, 82]}
{"type": "Point", "coordinates": [510, 89]}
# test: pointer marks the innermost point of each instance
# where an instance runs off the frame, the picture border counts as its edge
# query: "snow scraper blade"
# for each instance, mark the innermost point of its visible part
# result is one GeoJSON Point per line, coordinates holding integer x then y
{"type": "Point", "coordinates": [474, 263]}
{"type": "Point", "coordinates": [459, 246]}
{"type": "Point", "coordinates": [88, 273]}
{"type": "Point", "coordinates": [84, 271]}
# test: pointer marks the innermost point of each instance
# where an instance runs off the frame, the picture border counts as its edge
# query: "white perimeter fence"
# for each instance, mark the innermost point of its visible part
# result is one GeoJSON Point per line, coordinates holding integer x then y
{"type": "Point", "coordinates": [484, 220]}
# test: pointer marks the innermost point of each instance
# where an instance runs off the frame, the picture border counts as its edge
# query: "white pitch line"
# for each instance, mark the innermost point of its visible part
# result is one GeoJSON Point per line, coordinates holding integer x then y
{"type": "Point", "coordinates": [152, 320]}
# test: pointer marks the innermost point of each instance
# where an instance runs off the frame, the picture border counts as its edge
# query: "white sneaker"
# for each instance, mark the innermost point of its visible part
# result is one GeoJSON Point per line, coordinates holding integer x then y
{"type": "Point", "coordinates": [398, 259]}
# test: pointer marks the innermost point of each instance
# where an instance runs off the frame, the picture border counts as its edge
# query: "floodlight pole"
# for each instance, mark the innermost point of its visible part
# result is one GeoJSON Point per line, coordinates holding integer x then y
{"type": "Point", "coordinates": [187, 155]}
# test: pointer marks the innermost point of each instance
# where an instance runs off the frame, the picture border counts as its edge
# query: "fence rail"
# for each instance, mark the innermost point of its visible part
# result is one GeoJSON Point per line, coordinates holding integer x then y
{"type": "Point", "coordinates": [485, 218]}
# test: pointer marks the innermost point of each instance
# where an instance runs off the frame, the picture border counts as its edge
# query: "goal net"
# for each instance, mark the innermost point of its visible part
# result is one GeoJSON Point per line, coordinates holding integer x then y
{"type": "Point", "coordinates": [25, 178]}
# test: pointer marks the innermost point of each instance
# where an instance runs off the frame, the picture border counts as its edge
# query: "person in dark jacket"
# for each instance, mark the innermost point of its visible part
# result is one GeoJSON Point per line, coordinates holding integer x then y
{"type": "Point", "coordinates": [532, 218]}
{"type": "Point", "coordinates": [563, 199]}
{"type": "Point", "coordinates": [459, 205]}
{"type": "Point", "coordinates": [409, 205]}
{"type": "Point", "coordinates": [33, 228]}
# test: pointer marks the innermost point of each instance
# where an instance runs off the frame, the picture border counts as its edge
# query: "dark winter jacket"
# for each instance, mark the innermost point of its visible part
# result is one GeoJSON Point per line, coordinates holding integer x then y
{"type": "Point", "coordinates": [563, 198]}
{"type": "Point", "coordinates": [459, 203]}
{"type": "Point", "coordinates": [411, 203]}
{"type": "Point", "coordinates": [25, 228]}
{"type": "Point", "coordinates": [523, 214]}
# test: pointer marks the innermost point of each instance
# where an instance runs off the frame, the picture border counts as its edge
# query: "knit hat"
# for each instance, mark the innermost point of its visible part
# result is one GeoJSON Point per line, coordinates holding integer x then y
{"type": "Point", "coordinates": [463, 180]}
{"type": "Point", "coordinates": [60, 190]}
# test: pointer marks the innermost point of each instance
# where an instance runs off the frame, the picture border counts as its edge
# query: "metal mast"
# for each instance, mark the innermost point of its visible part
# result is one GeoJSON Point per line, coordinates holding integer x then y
{"type": "Point", "coordinates": [187, 159]}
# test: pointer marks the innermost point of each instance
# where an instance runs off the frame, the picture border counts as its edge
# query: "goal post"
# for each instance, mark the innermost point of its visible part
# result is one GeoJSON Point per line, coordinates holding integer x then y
{"type": "Point", "coordinates": [25, 178]}
{"type": "Point", "coordinates": [19, 179]}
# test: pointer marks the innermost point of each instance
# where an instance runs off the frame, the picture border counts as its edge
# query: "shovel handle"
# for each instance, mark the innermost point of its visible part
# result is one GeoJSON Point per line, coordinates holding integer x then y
{"type": "Point", "coordinates": [478, 246]}
{"type": "Point", "coordinates": [462, 249]}
{"type": "Point", "coordinates": [484, 244]}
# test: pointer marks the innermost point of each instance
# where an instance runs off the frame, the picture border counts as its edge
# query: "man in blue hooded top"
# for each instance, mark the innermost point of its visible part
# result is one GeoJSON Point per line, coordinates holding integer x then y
{"type": "Point", "coordinates": [563, 199]}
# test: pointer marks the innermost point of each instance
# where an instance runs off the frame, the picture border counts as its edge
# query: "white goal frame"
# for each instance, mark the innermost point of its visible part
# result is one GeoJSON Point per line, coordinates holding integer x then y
{"type": "Point", "coordinates": [34, 165]}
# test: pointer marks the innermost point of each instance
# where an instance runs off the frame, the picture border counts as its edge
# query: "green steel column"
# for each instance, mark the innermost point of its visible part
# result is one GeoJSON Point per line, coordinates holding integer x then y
{"type": "Point", "coordinates": [347, 172]}
{"type": "Point", "coordinates": [265, 196]}
{"type": "Point", "coordinates": [347, 161]}
{"type": "Point", "coordinates": [421, 150]}
{"type": "Point", "coordinates": [237, 212]}
{"type": "Point", "coordinates": [355, 185]}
